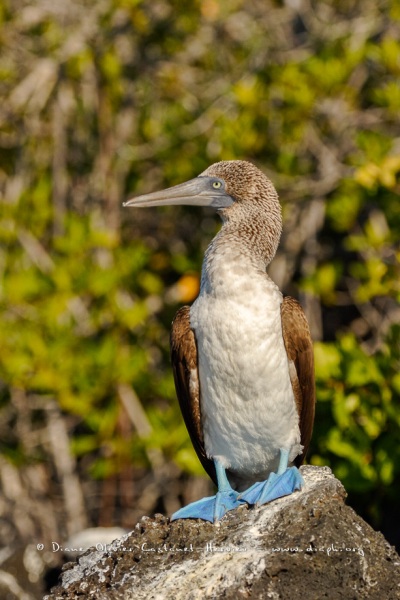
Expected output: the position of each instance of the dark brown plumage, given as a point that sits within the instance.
(299, 348)
(184, 364)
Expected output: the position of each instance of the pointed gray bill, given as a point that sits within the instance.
(200, 191)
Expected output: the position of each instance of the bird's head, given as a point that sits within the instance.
(243, 196)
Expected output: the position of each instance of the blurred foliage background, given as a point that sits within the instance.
(105, 99)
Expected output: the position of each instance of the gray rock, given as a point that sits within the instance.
(100, 537)
(306, 546)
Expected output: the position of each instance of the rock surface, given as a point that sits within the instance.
(309, 545)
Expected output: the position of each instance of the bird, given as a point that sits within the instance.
(242, 354)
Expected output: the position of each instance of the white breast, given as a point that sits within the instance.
(247, 402)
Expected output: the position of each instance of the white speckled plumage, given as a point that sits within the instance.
(248, 407)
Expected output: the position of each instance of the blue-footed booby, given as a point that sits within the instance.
(242, 354)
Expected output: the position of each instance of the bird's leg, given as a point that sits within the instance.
(212, 508)
(282, 483)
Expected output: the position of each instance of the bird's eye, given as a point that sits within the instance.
(217, 184)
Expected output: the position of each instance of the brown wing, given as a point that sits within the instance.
(187, 384)
(299, 348)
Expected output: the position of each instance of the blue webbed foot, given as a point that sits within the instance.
(282, 483)
(215, 507)
(210, 509)
(276, 486)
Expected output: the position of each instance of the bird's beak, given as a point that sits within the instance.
(195, 192)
